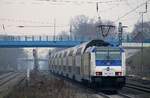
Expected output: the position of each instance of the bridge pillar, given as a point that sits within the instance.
(35, 59)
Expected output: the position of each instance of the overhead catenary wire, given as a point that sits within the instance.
(111, 7)
(23, 21)
(22, 26)
(81, 2)
(126, 14)
(138, 20)
(56, 2)
(148, 16)
(93, 1)
(128, 4)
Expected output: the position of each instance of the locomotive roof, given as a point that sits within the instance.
(97, 42)
(82, 47)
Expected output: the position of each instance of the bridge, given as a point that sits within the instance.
(51, 41)
(134, 45)
(38, 41)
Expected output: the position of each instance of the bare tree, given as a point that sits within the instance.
(137, 33)
(85, 27)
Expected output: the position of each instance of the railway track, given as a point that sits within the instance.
(118, 95)
(98, 93)
(8, 81)
(138, 87)
(5, 75)
(7, 78)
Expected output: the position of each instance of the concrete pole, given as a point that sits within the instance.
(35, 56)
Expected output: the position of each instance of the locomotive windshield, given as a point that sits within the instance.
(108, 56)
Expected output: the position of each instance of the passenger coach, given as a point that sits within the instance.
(95, 63)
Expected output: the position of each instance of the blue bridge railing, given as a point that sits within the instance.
(39, 41)
(41, 38)
(52, 41)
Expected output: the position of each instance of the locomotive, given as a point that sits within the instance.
(96, 63)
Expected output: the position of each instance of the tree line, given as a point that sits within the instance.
(86, 28)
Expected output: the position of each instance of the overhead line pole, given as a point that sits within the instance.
(120, 29)
(100, 26)
(142, 39)
(54, 28)
(131, 11)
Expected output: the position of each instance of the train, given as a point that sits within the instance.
(95, 63)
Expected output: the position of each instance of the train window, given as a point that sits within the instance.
(60, 54)
(105, 55)
(79, 51)
(52, 56)
(115, 55)
(69, 68)
(101, 55)
(64, 68)
(56, 55)
(77, 70)
(55, 67)
(71, 53)
(59, 67)
(65, 54)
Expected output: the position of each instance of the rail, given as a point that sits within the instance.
(138, 87)
(89, 89)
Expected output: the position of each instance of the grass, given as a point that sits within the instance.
(134, 63)
(41, 86)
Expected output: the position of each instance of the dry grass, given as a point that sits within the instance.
(42, 87)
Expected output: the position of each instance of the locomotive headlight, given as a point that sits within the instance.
(118, 73)
(98, 73)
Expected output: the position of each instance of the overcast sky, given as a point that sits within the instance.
(14, 13)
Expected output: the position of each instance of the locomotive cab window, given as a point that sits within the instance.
(71, 53)
(108, 57)
(79, 51)
(64, 55)
(115, 55)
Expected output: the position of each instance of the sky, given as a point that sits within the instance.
(34, 13)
